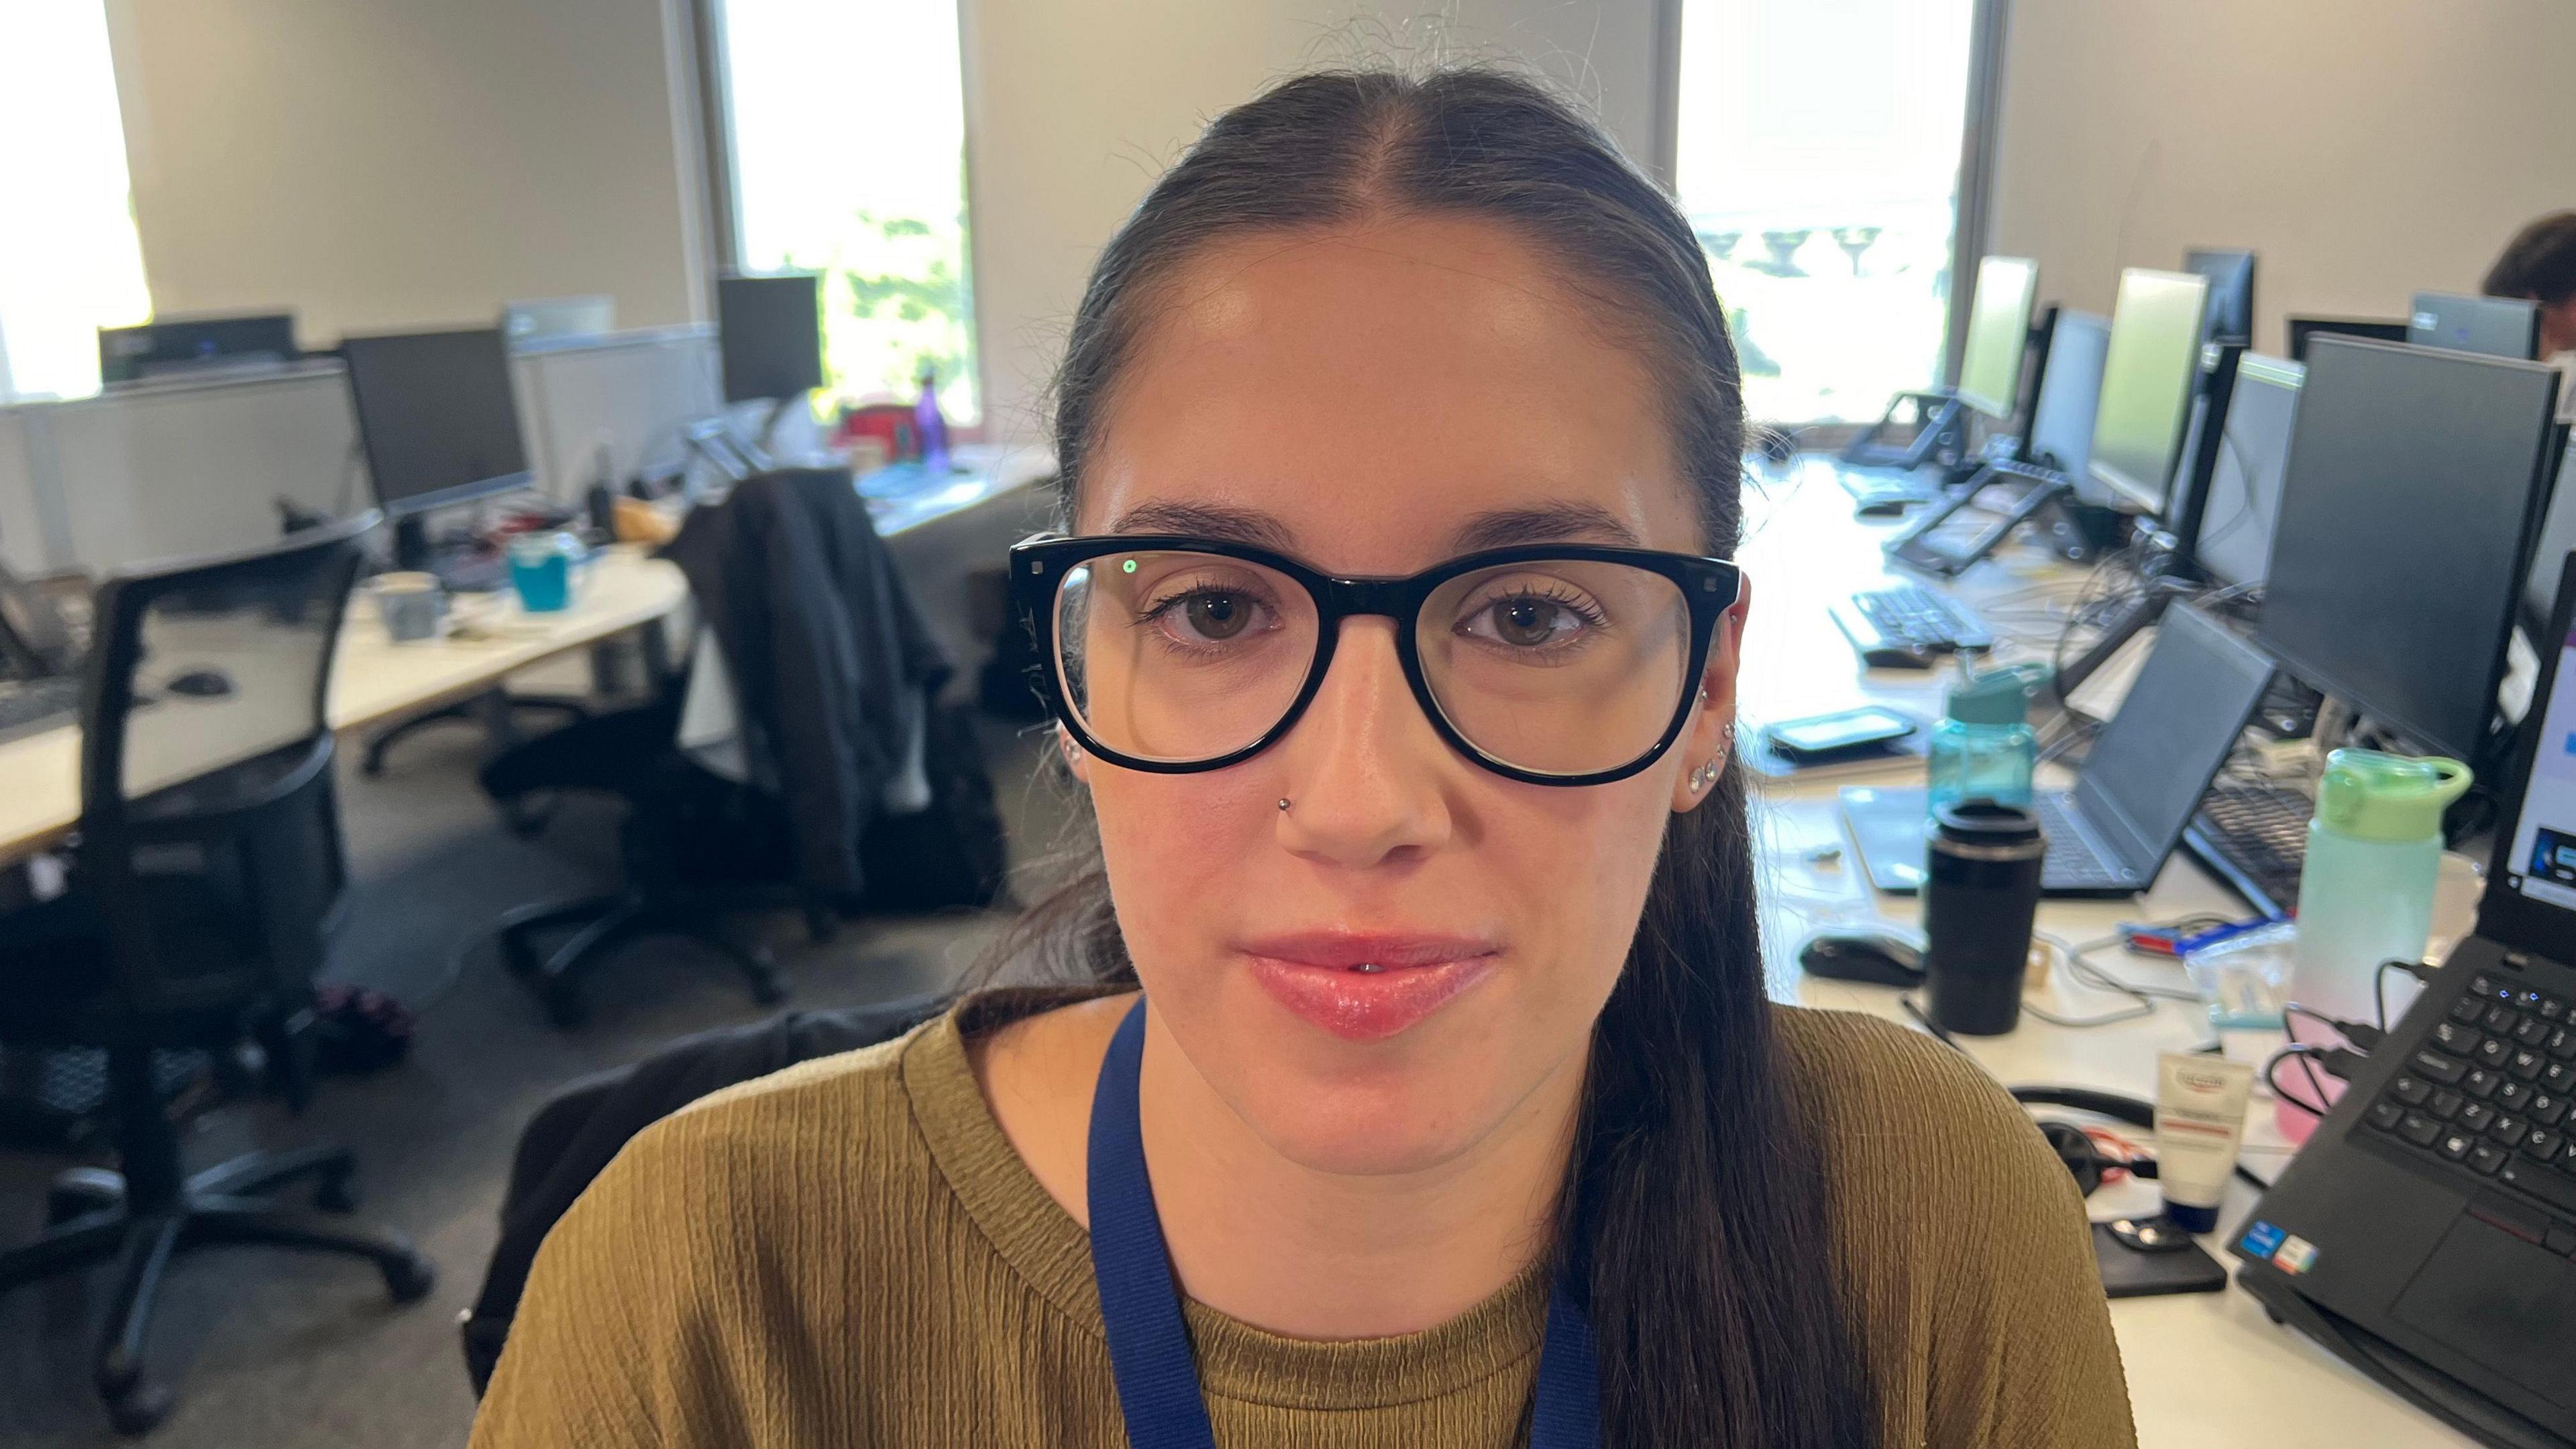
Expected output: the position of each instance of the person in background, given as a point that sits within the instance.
(1414, 938)
(2539, 266)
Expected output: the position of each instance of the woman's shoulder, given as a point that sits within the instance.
(1855, 1060)
(783, 1144)
(1893, 1105)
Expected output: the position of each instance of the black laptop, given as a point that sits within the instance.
(2134, 793)
(2427, 1232)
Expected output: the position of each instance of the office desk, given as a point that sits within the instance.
(372, 678)
(2203, 1369)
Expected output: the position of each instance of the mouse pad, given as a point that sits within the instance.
(2128, 1273)
(2506, 1303)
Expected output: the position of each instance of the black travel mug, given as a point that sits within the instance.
(1979, 899)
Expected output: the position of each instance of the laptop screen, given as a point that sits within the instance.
(2155, 758)
(2530, 901)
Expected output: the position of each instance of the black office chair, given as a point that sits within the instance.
(698, 850)
(207, 860)
(494, 709)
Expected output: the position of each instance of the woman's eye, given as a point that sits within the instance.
(1524, 623)
(1207, 616)
(1217, 616)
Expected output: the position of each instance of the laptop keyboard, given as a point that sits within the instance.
(2489, 1088)
(2261, 833)
(1912, 616)
(2070, 862)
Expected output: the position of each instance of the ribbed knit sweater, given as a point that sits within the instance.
(850, 1253)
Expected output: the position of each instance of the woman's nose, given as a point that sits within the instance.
(1363, 769)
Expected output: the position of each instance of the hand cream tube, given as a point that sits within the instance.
(2200, 1117)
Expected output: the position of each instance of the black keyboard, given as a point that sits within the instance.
(2489, 1087)
(2255, 837)
(27, 706)
(1913, 618)
(2070, 863)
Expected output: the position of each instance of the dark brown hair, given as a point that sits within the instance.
(1694, 1215)
(2539, 263)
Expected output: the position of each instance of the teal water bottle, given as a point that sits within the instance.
(1983, 748)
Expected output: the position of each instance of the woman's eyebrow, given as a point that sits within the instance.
(1208, 520)
(1546, 523)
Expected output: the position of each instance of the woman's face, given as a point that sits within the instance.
(1375, 400)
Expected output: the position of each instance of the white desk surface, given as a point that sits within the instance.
(2203, 1369)
(373, 678)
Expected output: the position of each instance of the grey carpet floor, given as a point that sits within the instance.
(274, 1349)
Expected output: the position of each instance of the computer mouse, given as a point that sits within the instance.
(201, 684)
(1875, 959)
(1894, 656)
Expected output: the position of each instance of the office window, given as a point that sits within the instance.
(69, 260)
(848, 158)
(1817, 154)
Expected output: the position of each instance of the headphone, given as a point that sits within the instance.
(2073, 1145)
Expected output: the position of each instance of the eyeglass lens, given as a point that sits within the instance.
(1553, 666)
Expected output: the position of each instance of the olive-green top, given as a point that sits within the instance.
(850, 1253)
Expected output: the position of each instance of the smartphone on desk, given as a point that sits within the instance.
(1831, 736)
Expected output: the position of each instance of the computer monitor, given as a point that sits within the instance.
(436, 417)
(2531, 879)
(2390, 329)
(178, 346)
(2396, 569)
(544, 318)
(2147, 382)
(2557, 536)
(2061, 420)
(1998, 335)
(771, 334)
(2230, 274)
(2496, 326)
(2245, 483)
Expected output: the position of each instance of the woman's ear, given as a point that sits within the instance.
(1710, 734)
(1074, 758)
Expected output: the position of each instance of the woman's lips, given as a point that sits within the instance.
(1368, 988)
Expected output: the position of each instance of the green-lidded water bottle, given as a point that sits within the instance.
(2366, 891)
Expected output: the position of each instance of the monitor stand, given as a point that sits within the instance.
(2148, 608)
(463, 565)
(1944, 428)
(1915, 548)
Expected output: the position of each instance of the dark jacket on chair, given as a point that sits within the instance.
(830, 659)
(573, 1137)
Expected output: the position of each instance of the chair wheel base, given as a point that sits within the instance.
(139, 1407)
(337, 1193)
(81, 1191)
(564, 1004)
(768, 984)
(410, 1279)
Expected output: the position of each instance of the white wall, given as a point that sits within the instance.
(2366, 148)
(381, 164)
(1075, 106)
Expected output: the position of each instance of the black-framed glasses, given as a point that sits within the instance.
(1556, 664)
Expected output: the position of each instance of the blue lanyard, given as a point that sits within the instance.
(1149, 1346)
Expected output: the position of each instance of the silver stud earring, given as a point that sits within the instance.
(1704, 776)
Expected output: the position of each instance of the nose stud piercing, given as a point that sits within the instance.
(1283, 804)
